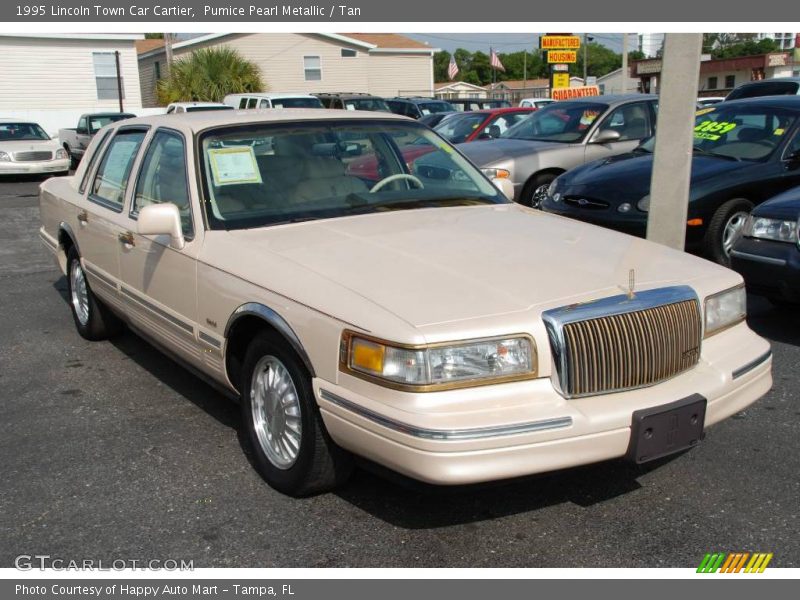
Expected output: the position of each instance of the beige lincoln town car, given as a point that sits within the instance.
(365, 290)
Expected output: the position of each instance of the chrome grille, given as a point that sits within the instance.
(620, 343)
(32, 156)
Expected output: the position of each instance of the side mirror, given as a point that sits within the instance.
(82, 130)
(793, 158)
(505, 187)
(606, 136)
(161, 219)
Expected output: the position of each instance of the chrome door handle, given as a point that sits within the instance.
(83, 217)
(127, 238)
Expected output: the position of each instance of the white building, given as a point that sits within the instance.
(650, 43)
(613, 83)
(459, 89)
(786, 41)
(52, 78)
(384, 64)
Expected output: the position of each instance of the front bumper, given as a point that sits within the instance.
(769, 268)
(59, 165)
(515, 429)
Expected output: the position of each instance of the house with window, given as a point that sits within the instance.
(54, 77)
(459, 89)
(383, 64)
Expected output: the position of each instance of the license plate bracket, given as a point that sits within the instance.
(666, 429)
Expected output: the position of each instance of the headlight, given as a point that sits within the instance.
(5, 157)
(725, 309)
(497, 173)
(61, 153)
(771, 229)
(644, 204)
(439, 366)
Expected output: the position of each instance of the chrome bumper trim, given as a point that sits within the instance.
(744, 369)
(447, 434)
(758, 258)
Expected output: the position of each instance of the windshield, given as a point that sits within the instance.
(204, 108)
(21, 132)
(296, 103)
(427, 108)
(97, 122)
(374, 104)
(258, 176)
(457, 128)
(743, 132)
(559, 122)
(765, 88)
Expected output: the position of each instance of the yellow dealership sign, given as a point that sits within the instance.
(560, 80)
(562, 56)
(559, 42)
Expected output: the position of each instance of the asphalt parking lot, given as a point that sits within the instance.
(111, 451)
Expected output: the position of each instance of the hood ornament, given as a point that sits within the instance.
(631, 284)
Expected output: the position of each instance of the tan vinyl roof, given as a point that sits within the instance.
(197, 121)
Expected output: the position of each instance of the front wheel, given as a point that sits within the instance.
(292, 449)
(535, 191)
(725, 227)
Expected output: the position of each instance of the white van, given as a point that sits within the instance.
(272, 101)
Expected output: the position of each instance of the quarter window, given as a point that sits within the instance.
(111, 181)
(105, 76)
(312, 68)
(100, 143)
(162, 177)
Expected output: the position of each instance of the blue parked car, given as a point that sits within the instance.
(768, 252)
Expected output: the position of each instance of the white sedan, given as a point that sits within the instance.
(25, 148)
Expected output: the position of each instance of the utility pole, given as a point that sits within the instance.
(624, 63)
(585, 55)
(119, 80)
(672, 158)
(168, 50)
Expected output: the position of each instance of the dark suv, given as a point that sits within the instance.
(353, 101)
(779, 86)
(417, 107)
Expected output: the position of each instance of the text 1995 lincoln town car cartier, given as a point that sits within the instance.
(408, 313)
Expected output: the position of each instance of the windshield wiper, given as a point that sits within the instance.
(710, 153)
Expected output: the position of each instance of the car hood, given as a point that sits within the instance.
(782, 206)
(489, 152)
(28, 145)
(628, 175)
(442, 265)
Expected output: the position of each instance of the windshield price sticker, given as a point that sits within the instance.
(234, 165)
(704, 111)
(712, 130)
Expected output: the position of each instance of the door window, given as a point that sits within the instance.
(632, 121)
(111, 181)
(163, 177)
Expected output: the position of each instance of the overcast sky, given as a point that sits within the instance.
(508, 42)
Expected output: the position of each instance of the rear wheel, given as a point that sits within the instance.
(725, 228)
(92, 319)
(535, 191)
(292, 449)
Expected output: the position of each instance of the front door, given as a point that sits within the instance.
(159, 282)
(632, 121)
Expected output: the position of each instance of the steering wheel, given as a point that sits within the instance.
(378, 186)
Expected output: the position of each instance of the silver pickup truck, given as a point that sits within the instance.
(75, 140)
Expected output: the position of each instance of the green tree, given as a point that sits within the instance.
(154, 36)
(441, 61)
(600, 60)
(209, 74)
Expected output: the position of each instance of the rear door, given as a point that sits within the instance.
(102, 221)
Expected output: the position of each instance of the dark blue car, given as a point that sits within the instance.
(768, 252)
(745, 152)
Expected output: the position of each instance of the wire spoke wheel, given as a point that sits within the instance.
(275, 410)
(539, 194)
(79, 293)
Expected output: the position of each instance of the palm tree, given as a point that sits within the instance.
(207, 75)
